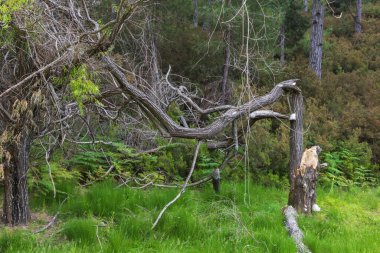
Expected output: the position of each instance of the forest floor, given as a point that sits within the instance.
(242, 218)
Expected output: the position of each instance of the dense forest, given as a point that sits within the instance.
(189, 126)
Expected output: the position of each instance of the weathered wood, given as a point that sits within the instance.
(305, 5)
(315, 56)
(294, 231)
(227, 60)
(210, 131)
(303, 193)
(195, 15)
(358, 17)
(296, 138)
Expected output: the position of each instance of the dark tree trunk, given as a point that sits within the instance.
(296, 139)
(303, 195)
(227, 61)
(16, 198)
(195, 16)
(305, 5)
(315, 57)
(282, 44)
(358, 17)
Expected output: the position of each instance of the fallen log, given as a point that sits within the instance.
(294, 231)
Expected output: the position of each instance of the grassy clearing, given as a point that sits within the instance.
(108, 219)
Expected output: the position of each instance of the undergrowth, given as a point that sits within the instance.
(105, 218)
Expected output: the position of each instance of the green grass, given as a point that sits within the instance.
(108, 219)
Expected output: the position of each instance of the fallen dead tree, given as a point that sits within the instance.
(294, 231)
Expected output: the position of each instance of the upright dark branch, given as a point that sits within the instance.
(296, 138)
(358, 17)
(315, 56)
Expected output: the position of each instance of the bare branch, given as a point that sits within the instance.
(183, 187)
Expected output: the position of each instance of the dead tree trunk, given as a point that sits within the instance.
(303, 166)
(305, 5)
(315, 57)
(195, 16)
(16, 198)
(296, 137)
(227, 61)
(358, 17)
(303, 195)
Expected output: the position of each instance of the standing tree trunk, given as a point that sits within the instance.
(305, 5)
(296, 141)
(303, 194)
(195, 17)
(16, 198)
(315, 57)
(227, 61)
(358, 17)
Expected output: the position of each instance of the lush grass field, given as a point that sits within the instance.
(108, 219)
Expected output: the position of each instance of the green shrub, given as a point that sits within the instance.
(349, 165)
(16, 241)
(80, 230)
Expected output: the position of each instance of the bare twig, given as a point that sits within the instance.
(183, 187)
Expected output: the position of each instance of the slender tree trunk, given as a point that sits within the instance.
(195, 17)
(358, 17)
(227, 61)
(305, 5)
(16, 198)
(296, 141)
(282, 44)
(315, 57)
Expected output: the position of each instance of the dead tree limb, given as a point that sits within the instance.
(294, 231)
(183, 187)
(208, 132)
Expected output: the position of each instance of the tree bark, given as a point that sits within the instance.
(305, 5)
(16, 197)
(315, 57)
(227, 61)
(195, 16)
(296, 136)
(358, 17)
(303, 193)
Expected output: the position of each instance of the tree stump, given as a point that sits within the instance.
(303, 194)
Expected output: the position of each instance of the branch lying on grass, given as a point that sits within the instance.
(51, 223)
(183, 187)
(293, 229)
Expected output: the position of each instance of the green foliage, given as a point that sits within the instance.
(7, 8)
(295, 27)
(80, 230)
(40, 180)
(82, 86)
(349, 165)
(201, 221)
(16, 241)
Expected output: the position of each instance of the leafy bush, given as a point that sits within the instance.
(349, 166)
